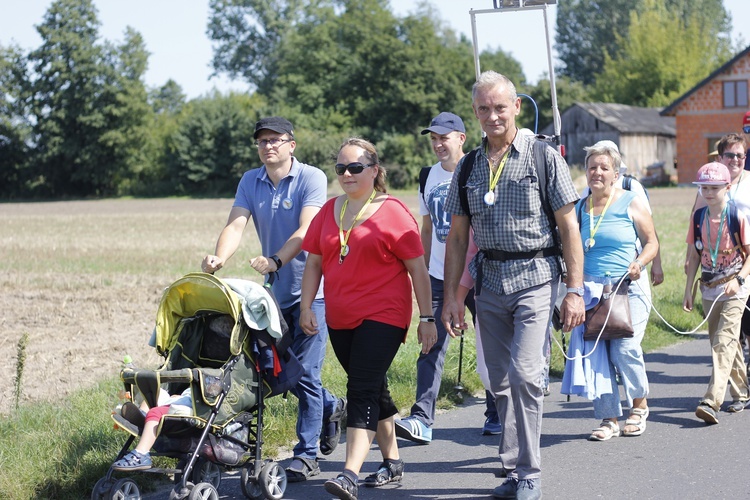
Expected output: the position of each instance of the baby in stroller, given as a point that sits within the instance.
(223, 341)
(140, 457)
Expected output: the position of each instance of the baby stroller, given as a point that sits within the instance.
(227, 341)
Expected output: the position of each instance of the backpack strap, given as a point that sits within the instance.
(697, 224)
(423, 174)
(540, 163)
(627, 181)
(467, 165)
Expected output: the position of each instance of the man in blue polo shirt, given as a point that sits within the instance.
(282, 197)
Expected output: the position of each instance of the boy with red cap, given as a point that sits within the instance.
(721, 236)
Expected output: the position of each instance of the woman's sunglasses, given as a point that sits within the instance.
(353, 168)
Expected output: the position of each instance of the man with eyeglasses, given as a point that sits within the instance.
(282, 197)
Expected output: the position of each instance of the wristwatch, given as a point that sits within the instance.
(741, 280)
(276, 260)
(575, 290)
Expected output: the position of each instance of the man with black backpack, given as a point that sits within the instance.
(518, 194)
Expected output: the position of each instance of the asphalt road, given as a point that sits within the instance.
(679, 456)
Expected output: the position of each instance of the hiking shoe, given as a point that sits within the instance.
(507, 489)
(135, 460)
(390, 471)
(529, 489)
(302, 468)
(413, 429)
(737, 406)
(330, 434)
(342, 487)
(706, 413)
(491, 427)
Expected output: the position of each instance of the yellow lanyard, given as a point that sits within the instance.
(344, 238)
(593, 228)
(496, 177)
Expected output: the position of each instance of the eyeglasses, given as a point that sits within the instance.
(274, 143)
(732, 156)
(353, 168)
(746, 129)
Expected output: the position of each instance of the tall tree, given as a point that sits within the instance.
(663, 57)
(589, 29)
(88, 103)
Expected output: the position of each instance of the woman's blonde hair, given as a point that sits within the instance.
(372, 157)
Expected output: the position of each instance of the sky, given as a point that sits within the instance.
(175, 33)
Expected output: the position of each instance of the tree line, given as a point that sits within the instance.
(77, 119)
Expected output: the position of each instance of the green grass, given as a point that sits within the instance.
(60, 449)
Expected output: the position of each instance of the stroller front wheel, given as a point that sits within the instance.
(203, 491)
(273, 481)
(124, 489)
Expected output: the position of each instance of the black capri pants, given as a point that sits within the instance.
(366, 352)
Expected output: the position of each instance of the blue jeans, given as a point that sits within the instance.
(315, 402)
(430, 365)
(626, 355)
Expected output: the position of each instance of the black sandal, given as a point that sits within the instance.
(301, 468)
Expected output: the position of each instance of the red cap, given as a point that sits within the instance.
(746, 120)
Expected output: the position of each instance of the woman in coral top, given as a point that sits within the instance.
(367, 245)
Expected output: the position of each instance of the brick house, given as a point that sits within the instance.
(713, 108)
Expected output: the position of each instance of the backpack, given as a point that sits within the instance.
(423, 174)
(734, 227)
(540, 146)
(627, 183)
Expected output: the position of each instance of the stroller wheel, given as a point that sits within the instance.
(205, 471)
(183, 493)
(124, 489)
(272, 480)
(203, 491)
(249, 483)
(101, 489)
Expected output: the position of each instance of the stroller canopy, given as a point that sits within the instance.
(197, 293)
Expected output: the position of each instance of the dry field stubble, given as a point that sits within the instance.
(84, 278)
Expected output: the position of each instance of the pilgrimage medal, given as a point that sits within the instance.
(489, 197)
(344, 236)
(590, 242)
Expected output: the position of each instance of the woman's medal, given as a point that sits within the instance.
(590, 242)
(489, 198)
(344, 253)
(699, 245)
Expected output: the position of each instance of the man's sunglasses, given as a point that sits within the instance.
(732, 156)
(353, 168)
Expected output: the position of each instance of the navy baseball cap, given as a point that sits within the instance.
(445, 123)
(275, 123)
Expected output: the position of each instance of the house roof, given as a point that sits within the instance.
(669, 110)
(631, 119)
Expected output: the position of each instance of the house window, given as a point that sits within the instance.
(735, 94)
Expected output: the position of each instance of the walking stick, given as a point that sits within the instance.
(459, 386)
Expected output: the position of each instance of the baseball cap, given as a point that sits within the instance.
(713, 174)
(275, 123)
(445, 123)
(746, 123)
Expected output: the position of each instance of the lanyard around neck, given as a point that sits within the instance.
(714, 252)
(594, 228)
(344, 238)
(494, 178)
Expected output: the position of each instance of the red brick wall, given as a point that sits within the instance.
(702, 119)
